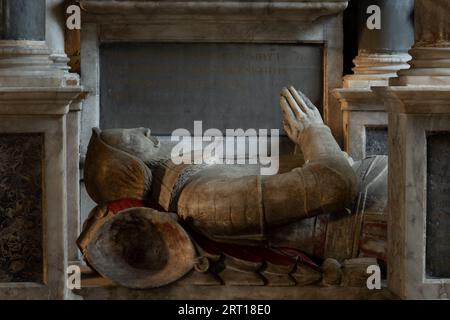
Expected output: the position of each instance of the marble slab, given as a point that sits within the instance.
(168, 86)
(376, 141)
(438, 205)
(21, 207)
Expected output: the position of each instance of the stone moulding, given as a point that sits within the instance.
(358, 99)
(362, 109)
(37, 101)
(24, 61)
(415, 99)
(297, 9)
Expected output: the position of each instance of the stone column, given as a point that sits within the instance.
(381, 53)
(23, 20)
(54, 28)
(34, 103)
(418, 102)
(55, 24)
(23, 52)
(431, 51)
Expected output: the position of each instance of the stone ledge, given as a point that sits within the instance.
(358, 99)
(135, 10)
(415, 99)
(95, 287)
(178, 291)
(38, 101)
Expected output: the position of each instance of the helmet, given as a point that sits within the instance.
(140, 248)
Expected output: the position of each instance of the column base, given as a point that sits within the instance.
(60, 60)
(430, 66)
(26, 63)
(375, 69)
(364, 117)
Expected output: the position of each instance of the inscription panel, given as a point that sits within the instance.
(21, 234)
(376, 141)
(438, 206)
(165, 86)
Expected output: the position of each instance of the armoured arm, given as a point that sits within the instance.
(246, 207)
(326, 183)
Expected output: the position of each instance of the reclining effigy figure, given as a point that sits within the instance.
(156, 221)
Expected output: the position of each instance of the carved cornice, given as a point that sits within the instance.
(358, 99)
(48, 101)
(415, 100)
(299, 10)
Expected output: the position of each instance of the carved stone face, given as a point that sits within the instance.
(137, 141)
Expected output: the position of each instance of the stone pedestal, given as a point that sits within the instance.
(55, 24)
(418, 102)
(431, 52)
(419, 185)
(382, 53)
(33, 171)
(365, 123)
(34, 103)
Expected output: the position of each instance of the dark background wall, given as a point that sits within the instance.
(350, 36)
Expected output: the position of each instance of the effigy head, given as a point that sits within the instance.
(136, 141)
(112, 171)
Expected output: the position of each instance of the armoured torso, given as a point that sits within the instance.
(214, 195)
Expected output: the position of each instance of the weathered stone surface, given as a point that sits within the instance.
(332, 272)
(41, 110)
(411, 118)
(98, 289)
(294, 9)
(432, 26)
(376, 141)
(438, 206)
(26, 63)
(55, 26)
(226, 86)
(21, 208)
(430, 64)
(354, 271)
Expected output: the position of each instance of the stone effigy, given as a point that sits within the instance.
(232, 225)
